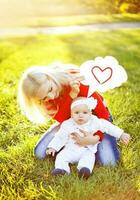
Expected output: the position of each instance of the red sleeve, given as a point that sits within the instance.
(101, 111)
(100, 134)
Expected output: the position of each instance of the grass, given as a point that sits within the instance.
(50, 21)
(22, 176)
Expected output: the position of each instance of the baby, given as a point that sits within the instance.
(82, 122)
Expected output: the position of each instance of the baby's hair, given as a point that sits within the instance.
(30, 83)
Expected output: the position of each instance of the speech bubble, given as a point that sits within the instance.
(102, 74)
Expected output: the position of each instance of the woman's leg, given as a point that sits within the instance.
(42, 144)
(108, 153)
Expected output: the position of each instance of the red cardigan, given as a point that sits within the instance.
(65, 101)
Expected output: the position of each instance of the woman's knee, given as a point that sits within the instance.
(108, 153)
(42, 144)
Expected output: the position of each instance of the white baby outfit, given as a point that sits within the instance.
(73, 153)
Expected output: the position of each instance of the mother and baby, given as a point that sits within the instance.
(83, 125)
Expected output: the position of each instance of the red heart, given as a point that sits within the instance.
(102, 71)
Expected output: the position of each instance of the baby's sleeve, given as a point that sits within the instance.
(60, 138)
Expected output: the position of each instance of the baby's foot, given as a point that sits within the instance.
(57, 171)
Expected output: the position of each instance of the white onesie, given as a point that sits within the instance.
(73, 153)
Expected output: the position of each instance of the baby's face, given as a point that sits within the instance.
(80, 114)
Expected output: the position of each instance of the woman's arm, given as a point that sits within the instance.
(101, 110)
(88, 138)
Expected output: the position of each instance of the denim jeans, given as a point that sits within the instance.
(107, 151)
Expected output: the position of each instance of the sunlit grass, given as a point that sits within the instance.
(22, 176)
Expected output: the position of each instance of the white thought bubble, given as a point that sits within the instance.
(102, 74)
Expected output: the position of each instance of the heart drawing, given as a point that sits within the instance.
(102, 75)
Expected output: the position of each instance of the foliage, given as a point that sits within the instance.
(22, 176)
(101, 6)
(113, 6)
(129, 6)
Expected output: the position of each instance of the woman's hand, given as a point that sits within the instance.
(75, 86)
(125, 138)
(88, 138)
(51, 151)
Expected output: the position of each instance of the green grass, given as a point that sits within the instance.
(22, 176)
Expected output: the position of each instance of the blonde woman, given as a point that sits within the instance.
(47, 92)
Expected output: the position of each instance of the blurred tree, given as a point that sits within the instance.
(112, 6)
(129, 6)
(101, 6)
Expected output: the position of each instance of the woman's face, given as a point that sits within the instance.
(48, 90)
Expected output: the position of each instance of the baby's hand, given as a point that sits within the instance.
(125, 138)
(50, 151)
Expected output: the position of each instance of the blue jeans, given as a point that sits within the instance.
(107, 154)
(107, 151)
(42, 144)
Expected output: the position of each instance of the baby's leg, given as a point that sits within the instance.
(63, 159)
(86, 164)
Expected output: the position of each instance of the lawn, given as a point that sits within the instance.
(23, 177)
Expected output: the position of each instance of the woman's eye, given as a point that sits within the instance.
(50, 89)
(85, 112)
(76, 112)
(44, 98)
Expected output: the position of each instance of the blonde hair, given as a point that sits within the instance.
(30, 82)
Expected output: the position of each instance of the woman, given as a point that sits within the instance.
(47, 92)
